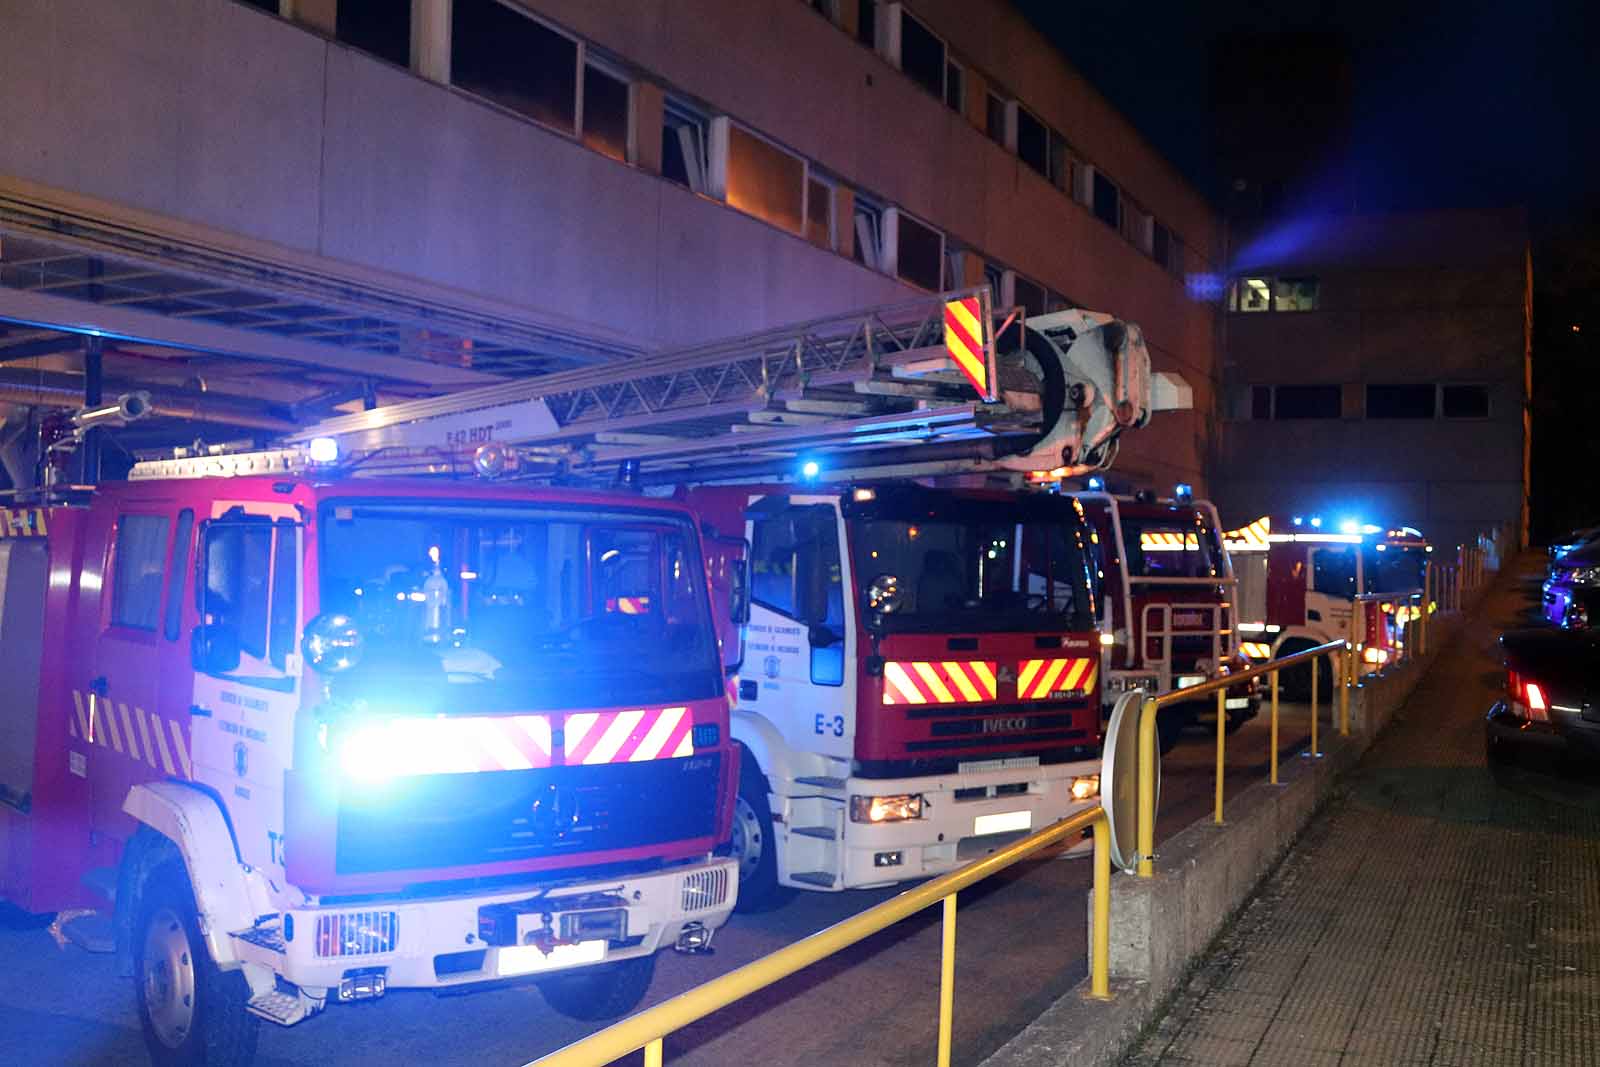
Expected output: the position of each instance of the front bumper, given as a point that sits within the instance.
(437, 943)
(964, 817)
(1567, 734)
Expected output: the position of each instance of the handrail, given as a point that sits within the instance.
(647, 1029)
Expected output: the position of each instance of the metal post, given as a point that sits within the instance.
(93, 386)
(652, 1054)
(1100, 949)
(1274, 677)
(947, 979)
(1344, 691)
(1314, 660)
(1147, 788)
(1427, 607)
(1222, 733)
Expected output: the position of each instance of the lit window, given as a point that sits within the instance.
(1294, 294)
(995, 118)
(868, 223)
(765, 181)
(605, 112)
(1465, 401)
(922, 55)
(381, 27)
(1401, 401)
(685, 135)
(919, 252)
(518, 63)
(819, 213)
(1253, 294)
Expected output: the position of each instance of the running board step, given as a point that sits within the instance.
(823, 833)
(821, 782)
(89, 930)
(816, 878)
(279, 1007)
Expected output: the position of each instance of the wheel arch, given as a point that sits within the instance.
(765, 745)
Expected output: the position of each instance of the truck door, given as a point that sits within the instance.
(246, 668)
(799, 647)
(118, 696)
(1331, 584)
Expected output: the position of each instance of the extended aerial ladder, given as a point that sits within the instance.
(888, 390)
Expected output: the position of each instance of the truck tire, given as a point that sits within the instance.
(754, 844)
(191, 1011)
(1294, 683)
(595, 994)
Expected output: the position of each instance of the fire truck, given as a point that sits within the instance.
(1169, 602)
(1299, 579)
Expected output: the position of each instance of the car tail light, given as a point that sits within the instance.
(1527, 698)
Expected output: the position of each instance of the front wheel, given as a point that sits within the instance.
(192, 1012)
(607, 991)
(754, 845)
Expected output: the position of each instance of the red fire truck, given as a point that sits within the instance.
(1170, 592)
(920, 682)
(320, 736)
(1299, 579)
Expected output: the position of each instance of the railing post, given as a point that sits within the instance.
(1274, 727)
(652, 1053)
(947, 980)
(1344, 692)
(1427, 608)
(1314, 714)
(1222, 734)
(1100, 945)
(1147, 788)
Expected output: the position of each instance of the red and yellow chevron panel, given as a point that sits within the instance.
(939, 682)
(1158, 541)
(628, 736)
(1040, 679)
(963, 339)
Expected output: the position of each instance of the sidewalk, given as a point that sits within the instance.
(1427, 916)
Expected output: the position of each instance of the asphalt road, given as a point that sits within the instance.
(1023, 935)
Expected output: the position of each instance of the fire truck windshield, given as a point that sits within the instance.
(488, 607)
(977, 574)
(1395, 569)
(1174, 547)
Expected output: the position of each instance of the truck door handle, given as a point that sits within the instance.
(98, 686)
(197, 712)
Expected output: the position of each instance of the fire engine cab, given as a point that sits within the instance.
(319, 736)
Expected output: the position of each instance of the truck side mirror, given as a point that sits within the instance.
(214, 648)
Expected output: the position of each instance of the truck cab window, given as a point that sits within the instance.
(1333, 572)
(141, 550)
(251, 585)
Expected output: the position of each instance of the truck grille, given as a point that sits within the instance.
(437, 822)
(705, 889)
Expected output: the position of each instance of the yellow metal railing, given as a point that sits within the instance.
(647, 1029)
(1339, 652)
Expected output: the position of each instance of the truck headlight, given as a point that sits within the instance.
(886, 809)
(1085, 786)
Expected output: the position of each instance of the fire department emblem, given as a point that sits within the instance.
(769, 666)
(241, 759)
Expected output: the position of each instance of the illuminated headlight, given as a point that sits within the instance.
(1375, 655)
(1108, 639)
(1085, 786)
(1586, 576)
(886, 809)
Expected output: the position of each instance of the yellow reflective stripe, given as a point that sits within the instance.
(1070, 681)
(1030, 669)
(963, 314)
(941, 692)
(985, 675)
(659, 734)
(904, 686)
(959, 676)
(620, 730)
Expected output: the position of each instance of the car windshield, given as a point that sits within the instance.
(1394, 570)
(1171, 548)
(483, 607)
(977, 575)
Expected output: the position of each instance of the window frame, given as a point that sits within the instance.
(892, 217)
(575, 133)
(872, 210)
(896, 49)
(700, 120)
(616, 72)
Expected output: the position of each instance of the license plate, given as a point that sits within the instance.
(1238, 702)
(530, 959)
(1002, 823)
(1190, 680)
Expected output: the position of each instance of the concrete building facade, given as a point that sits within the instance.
(586, 176)
(1378, 367)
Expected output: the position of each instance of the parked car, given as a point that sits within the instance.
(1551, 706)
(1575, 539)
(1572, 589)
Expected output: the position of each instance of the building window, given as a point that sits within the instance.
(1401, 401)
(955, 266)
(685, 141)
(819, 213)
(381, 27)
(828, 9)
(1160, 244)
(765, 181)
(868, 223)
(919, 252)
(867, 22)
(1306, 402)
(955, 86)
(1261, 401)
(994, 276)
(518, 63)
(922, 54)
(995, 118)
(269, 6)
(1107, 201)
(1174, 261)
(1060, 163)
(1465, 401)
(1028, 295)
(141, 552)
(605, 112)
(1033, 141)
(1294, 294)
(1251, 294)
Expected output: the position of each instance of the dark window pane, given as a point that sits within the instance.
(955, 92)
(1294, 294)
(1400, 401)
(995, 124)
(514, 61)
(867, 22)
(921, 55)
(180, 567)
(1261, 401)
(1028, 295)
(1333, 572)
(1060, 163)
(1307, 402)
(285, 594)
(683, 147)
(382, 27)
(238, 570)
(994, 278)
(1033, 142)
(1466, 401)
(269, 6)
(141, 551)
(868, 223)
(605, 113)
(1105, 200)
(1160, 244)
(920, 253)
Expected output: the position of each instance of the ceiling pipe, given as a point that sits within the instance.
(162, 405)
